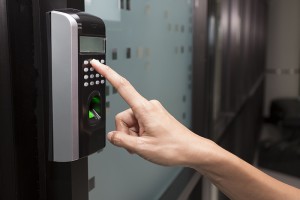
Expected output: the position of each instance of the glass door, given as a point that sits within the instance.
(150, 43)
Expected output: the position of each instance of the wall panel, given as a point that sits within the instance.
(158, 35)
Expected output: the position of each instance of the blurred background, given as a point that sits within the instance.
(227, 69)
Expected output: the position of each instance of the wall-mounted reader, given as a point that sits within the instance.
(77, 91)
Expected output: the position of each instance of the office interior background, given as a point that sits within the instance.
(226, 69)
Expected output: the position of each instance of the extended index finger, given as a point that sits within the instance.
(124, 88)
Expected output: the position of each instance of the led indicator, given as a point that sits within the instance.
(95, 108)
(91, 115)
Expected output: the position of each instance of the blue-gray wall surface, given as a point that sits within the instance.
(158, 37)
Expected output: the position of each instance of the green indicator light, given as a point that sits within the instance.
(95, 108)
(95, 104)
(91, 115)
(96, 100)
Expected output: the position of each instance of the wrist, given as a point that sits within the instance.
(202, 154)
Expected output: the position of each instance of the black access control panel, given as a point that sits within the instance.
(77, 91)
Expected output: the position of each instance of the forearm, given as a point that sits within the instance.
(236, 178)
(148, 130)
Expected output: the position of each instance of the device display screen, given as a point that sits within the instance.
(92, 44)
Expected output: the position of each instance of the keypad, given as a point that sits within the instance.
(90, 76)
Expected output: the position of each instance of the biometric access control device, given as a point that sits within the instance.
(77, 91)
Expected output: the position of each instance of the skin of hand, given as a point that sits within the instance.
(147, 129)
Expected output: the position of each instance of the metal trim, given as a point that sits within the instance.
(64, 38)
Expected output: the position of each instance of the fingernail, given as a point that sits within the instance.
(94, 60)
(109, 135)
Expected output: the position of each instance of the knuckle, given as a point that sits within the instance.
(143, 107)
(155, 102)
(140, 144)
(150, 108)
(154, 105)
(116, 139)
(118, 117)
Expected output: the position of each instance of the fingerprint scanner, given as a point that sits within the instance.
(95, 108)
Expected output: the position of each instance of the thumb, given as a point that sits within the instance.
(123, 140)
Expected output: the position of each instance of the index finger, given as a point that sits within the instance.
(124, 88)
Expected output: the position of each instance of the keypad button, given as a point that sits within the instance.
(86, 77)
(102, 81)
(85, 69)
(92, 83)
(86, 84)
(102, 61)
(86, 62)
(97, 82)
(92, 76)
(97, 75)
(92, 69)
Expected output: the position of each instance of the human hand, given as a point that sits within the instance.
(147, 128)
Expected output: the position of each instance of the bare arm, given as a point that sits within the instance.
(238, 179)
(148, 130)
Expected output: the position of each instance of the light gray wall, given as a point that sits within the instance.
(283, 50)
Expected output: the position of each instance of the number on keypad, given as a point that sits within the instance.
(89, 73)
